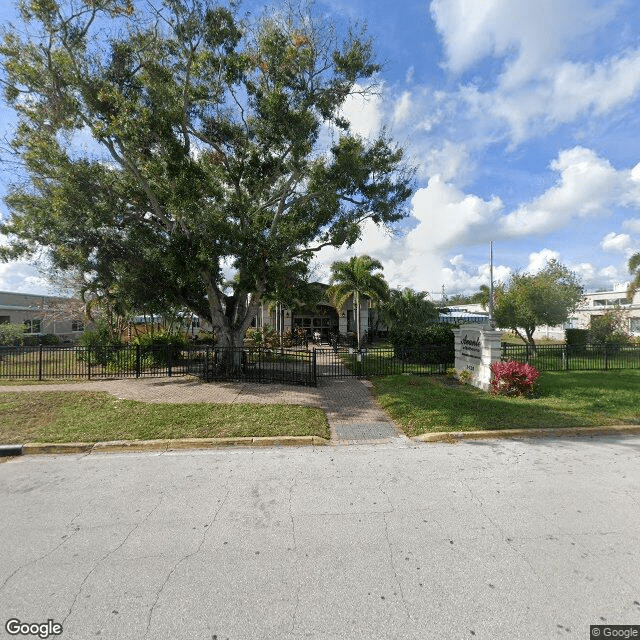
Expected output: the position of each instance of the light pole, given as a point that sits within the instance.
(492, 322)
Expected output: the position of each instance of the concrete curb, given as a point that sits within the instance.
(454, 436)
(34, 448)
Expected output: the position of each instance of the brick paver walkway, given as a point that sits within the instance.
(351, 410)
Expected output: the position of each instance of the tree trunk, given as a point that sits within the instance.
(230, 323)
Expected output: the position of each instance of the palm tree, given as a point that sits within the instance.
(634, 269)
(408, 308)
(357, 278)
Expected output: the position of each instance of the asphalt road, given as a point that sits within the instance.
(483, 540)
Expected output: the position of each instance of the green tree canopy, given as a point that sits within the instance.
(408, 309)
(528, 301)
(166, 146)
(357, 278)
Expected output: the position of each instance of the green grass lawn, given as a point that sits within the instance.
(88, 416)
(564, 399)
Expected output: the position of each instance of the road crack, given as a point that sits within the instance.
(162, 587)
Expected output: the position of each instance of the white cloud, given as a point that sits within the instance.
(447, 216)
(540, 85)
(538, 260)
(617, 242)
(451, 161)
(402, 108)
(409, 75)
(588, 186)
(23, 277)
(560, 93)
(632, 225)
(528, 34)
(585, 271)
(363, 111)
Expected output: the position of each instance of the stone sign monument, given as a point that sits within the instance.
(477, 347)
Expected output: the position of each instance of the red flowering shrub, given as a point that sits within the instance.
(513, 378)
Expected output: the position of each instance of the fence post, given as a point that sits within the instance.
(88, 362)
(169, 360)
(314, 362)
(606, 356)
(40, 362)
(138, 361)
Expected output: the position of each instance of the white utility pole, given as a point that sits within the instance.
(491, 320)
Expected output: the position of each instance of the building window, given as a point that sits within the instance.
(77, 325)
(32, 326)
(634, 325)
(5, 319)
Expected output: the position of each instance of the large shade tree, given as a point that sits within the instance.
(166, 147)
(357, 279)
(531, 300)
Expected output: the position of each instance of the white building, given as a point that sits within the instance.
(597, 303)
(593, 304)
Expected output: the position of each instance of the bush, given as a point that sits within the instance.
(100, 344)
(608, 330)
(205, 337)
(49, 339)
(11, 334)
(157, 348)
(417, 345)
(513, 378)
(578, 338)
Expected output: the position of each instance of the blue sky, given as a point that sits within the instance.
(523, 120)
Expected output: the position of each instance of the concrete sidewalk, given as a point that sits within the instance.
(352, 412)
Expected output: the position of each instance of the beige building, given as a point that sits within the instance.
(43, 315)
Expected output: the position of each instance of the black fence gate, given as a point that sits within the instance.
(338, 362)
(341, 362)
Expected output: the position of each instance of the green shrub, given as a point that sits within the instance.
(159, 348)
(11, 334)
(205, 337)
(49, 339)
(100, 347)
(413, 345)
(125, 360)
(608, 330)
(576, 337)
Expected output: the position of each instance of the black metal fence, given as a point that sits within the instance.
(50, 362)
(574, 358)
(291, 366)
(254, 365)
